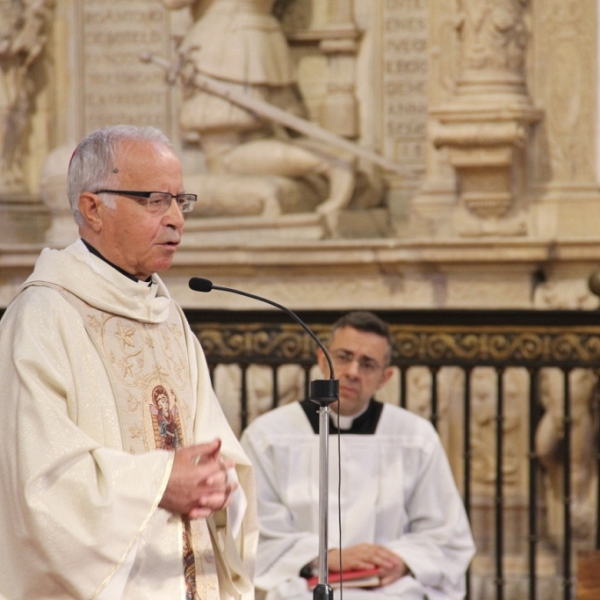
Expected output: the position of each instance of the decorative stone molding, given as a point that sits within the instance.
(483, 155)
(487, 124)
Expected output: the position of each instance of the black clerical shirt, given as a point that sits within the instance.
(364, 424)
(122, 271)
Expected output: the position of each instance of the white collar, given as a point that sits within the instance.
(345, 421)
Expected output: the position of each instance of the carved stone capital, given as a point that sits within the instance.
(494, 36)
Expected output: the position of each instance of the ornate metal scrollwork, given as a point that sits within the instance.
(501, 347)
(443, 345)
(255, 343)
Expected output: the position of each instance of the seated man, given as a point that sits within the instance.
(400, 509)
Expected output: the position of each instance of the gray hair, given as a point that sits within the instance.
(92, 163)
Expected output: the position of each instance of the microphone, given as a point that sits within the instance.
(322, 391)
(198, 284)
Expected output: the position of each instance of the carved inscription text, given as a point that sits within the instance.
(405, 72)
(118, 87)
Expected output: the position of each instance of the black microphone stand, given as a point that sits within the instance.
(322, 392)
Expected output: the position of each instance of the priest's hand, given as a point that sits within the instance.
(369, 556)
(198, 484)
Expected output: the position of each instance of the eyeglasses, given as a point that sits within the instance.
(157, 202)
(343, 358)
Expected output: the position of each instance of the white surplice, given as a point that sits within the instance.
(80, 516)
(397, 491)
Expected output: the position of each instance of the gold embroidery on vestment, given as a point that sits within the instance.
(148, 367)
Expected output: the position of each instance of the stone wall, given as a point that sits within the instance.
(489, 110)
(494, 134)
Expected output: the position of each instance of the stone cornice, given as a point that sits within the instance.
(356, 253)
(334, 252)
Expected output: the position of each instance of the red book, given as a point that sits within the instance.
(359, 578)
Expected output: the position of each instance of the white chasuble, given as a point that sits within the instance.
(96, 395)
(148, 368)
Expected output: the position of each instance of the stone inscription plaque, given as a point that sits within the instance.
(118, 87)
(405, 74)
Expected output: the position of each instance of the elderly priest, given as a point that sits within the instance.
(119, 475)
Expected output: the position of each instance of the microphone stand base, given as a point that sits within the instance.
(323, 592)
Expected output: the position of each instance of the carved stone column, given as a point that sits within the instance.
(432, 207)
(339, 111)
(487, 125)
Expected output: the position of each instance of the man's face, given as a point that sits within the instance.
(359, 360)
(133, 238)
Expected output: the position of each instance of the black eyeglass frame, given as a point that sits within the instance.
(189, 199)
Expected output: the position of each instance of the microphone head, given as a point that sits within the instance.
(198, 284)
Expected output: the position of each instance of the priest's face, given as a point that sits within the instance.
(139, 241)
(360, 360)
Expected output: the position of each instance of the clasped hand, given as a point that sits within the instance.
(198, 484)
(368, 556)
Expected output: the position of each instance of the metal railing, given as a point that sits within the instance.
(470, 341)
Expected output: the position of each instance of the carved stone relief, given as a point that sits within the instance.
(494, 37)
(23, 37)
(240, 49)
(484, 406)
(550, 433)
(228, 384)
(451, 95)
(567, 38)
(487, 125)
(566, 145)
(569, 294)
(294, 14)
(550, 440)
